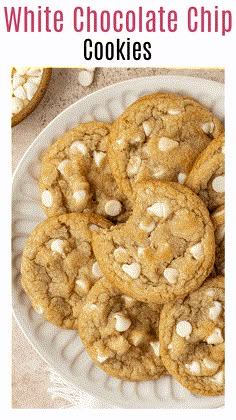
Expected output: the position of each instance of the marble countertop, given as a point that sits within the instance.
(30, 377)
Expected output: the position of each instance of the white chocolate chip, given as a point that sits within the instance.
(122, 323)
(218, 378)
(30, 90)
(120, 141)
(113, 207)
(194, 367)
(89, 307)
(174, 112)
(166, 144)
(196, 251)
(147, 128)
(218, 184)
(210, 293)
(20, 93)
(219, 213)
(39, 309)
(119, 252)
(140, 250)
(181, 177)
(17, 80)
(85, 77)
(21, 70)
(101, 358)
(208, 127)
(215, 337)
(79, 146)
(62, 165)
(128, 300)
(47, 198)
(98, 157)
(136, 139)
(147, 228)
(156, 347)
(34, 80)
(210, 364)
(94, 228)
(36, 72)
(133, 270)
(171, 274)
(16, 105)
(215, 310)
(83, 284)
(159, 209)
(158, 172)
(79, 195)
(57, 246)
(136, 337)
(133, 165)
(184, 329)
(96, 270)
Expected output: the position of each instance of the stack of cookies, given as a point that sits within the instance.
(130, 256)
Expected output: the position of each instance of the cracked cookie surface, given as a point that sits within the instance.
(76, 177)
(207, 176)
(192, 338)
(159, 137)
(164, 250)
(59, 268)
(121, 334)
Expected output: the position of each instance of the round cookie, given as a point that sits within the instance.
(159, 137)
(218, 219)
(207, 176)
(59, 268)
(164, 250)
(192, 338)
(76, 177)
(121, 334)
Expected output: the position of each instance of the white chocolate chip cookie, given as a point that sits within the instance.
(76, 176)
(207, 176)
(159, 137)
(121, 334)
(59, 267)
(164, 250)
(192, 338)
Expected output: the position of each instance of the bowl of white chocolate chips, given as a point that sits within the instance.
(28, 87)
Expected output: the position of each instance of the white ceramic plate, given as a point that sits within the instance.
(63, 349)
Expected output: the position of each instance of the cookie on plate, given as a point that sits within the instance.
(218, 219)
(207, 176)
(76, 177)
(59, 268)
(192, 338)
(159, 137)
(164, 250)
(121, 334)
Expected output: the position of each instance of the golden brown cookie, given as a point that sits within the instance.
(76, 177)
(59, 268)
(192, 338)
(159, 137)
(121, 334)
(164, 250)
(207, 176)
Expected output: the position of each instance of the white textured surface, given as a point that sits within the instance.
(62, 349)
